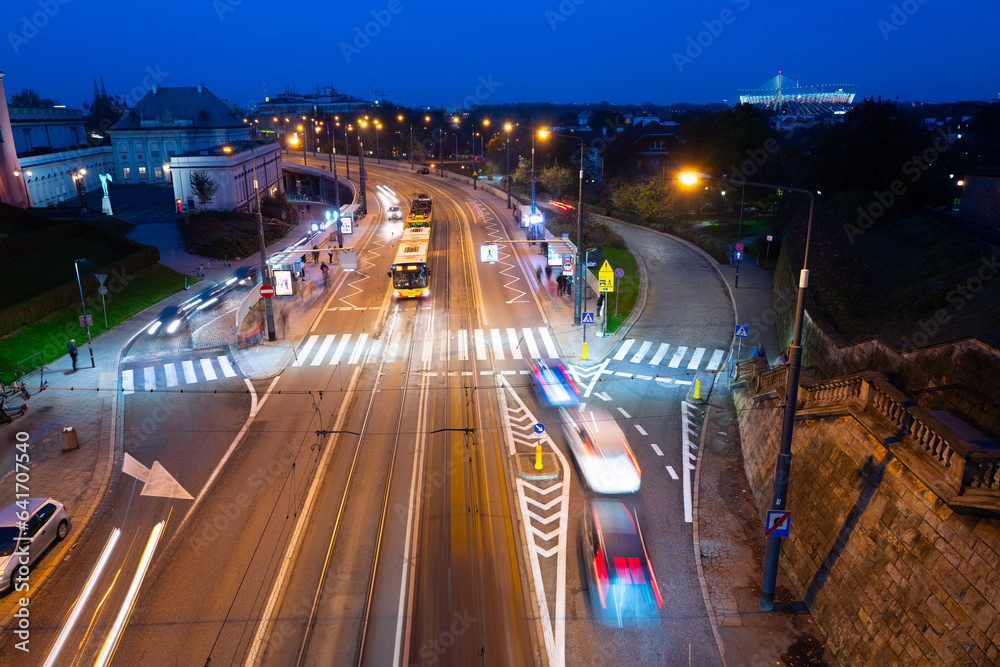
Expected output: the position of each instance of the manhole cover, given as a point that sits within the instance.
(45, 408)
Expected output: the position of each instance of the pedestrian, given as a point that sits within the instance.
(302, 272)
(548, 272)
(569, 286)
(538, 274)
(72, 352)
(315, 254)
(284, 321)
(329, 251)
(600, 303)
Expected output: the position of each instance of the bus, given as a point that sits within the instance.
(420, 212)
(410, 273)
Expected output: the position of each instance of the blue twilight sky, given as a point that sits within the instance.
(429, 53)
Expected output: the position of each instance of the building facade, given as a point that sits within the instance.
(166, 122)
(231, 167)
(12, 187)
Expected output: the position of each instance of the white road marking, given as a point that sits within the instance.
(463, 345)
(188, 368)
(602, 395)
(655, 361)
(640, 430)
(515, 349)
(529, 340)
(673, 475)
(358, 349)
(227, 368)
(664, 380)
(643, 349)
(321, 352)
(497, 344)
(699, 352)
(171, 372)
(148, 378)
(675, 362)
(623, 350)
(477, 336)
(428, 352)
(208, 370)
(549, 345)
(128, 383)
(686, 458)
(627, 415)
(643, 377)
(304, 352)
(656, 448)
(341, 346)
(623, 375)
(716, 360)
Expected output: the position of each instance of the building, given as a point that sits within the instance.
(649, 145)
(231, 167)
(12, 186)
(170, 121)
(286, 110)
(981, 197)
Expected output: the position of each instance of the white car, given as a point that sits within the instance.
(601, 451)
(395, 213)
(27, 529)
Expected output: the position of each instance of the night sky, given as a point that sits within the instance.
(431, 53)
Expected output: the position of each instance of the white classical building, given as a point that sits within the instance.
(166, 122)
(231, 167)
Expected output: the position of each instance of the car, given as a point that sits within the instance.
(619, 574)
(554, 384)
(395, 213)
(423, 170)
(601, 451)
(27, 529)
(246, 275)
(170, 320)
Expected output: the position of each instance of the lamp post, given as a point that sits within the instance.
(580, 260)
(303, 140)
(508, 127)
(783, 464)
(265, 276)
(347, 150)
(361, 169)
(78, 175)
(86, 322)
(378, 153)
(23, 175)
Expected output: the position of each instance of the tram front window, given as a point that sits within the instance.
(415, 278)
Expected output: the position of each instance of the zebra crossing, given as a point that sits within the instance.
(492, 345)
(176, 374)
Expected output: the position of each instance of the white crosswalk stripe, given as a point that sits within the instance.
(623, 350)
(463, 345)
(477, 336)
(341, 346)
(171, 372)
(208, 370)
(327, 342)
(529, 340)
(699, 352)
(514, 347)
(304, 352)
(428, 348)
(660, 353)
(643, 349)
(675, 362)
(497, 344)
(358, 349)
(194, 370)
(549, 345)
(127, 382)
(189, 376)
(227, 368)
(715, 361)
(149, 376)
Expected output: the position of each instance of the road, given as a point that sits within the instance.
(363, 507)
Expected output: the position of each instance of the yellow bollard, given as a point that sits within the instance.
(584, 352)
(538, 457)
(697, 390)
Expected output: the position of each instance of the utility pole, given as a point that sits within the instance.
(265, 276)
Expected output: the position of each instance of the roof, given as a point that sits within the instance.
(178, 106)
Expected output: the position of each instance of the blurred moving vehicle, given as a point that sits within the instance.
(620, 576)
(170, 320)
(554, 384)
(246, 275)
(601, 451)
(27, 529)
(423, 170)
(395, 213)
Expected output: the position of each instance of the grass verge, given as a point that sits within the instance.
(620, 303)
(51, 335)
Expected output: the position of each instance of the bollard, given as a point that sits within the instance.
(538, 457)
(697, 390)
(70, 440)
(584, 357)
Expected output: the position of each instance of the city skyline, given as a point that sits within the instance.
(567, 52)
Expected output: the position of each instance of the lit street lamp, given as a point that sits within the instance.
(86, 322)
(508, 127)
(27, 196)
(361, 169)
(782, 466)
(580, 261)
(78, 175)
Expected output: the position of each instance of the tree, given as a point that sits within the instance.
(522, 174)
(29, 99)
(203, 185)
(556, 179)
(102, 113)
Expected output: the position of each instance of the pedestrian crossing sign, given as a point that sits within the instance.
(488, 253)
(742, 331)
(588, 318)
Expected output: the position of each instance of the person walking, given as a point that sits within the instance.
(329, 251)
(284, 322)
(600, 303)
(538, 274)
(72, 352)
(548, 272)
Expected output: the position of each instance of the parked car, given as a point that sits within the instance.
(27, 529)
(598, 444)
(423, 170)
(619, 576)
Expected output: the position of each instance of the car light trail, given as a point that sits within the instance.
(84, 596)
(119, 626)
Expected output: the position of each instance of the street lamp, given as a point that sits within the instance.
(27, 196)
(265, 276)
(347, 150)
(361, 168)
(78, 175)
(580, 261)
(378, 153)
(508, 127)
(783, 465)
(86, 322)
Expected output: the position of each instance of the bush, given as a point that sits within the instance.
(221, 234)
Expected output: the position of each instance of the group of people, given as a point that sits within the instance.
(564, 284)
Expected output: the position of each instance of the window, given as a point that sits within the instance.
(126, 173)
(658, 144)
(142, 173)
(157, 173)
(138, 147)
(154, 149)
(123, 148)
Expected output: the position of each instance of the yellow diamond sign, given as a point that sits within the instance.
(606, 277)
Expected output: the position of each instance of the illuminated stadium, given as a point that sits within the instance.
(799, 100)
